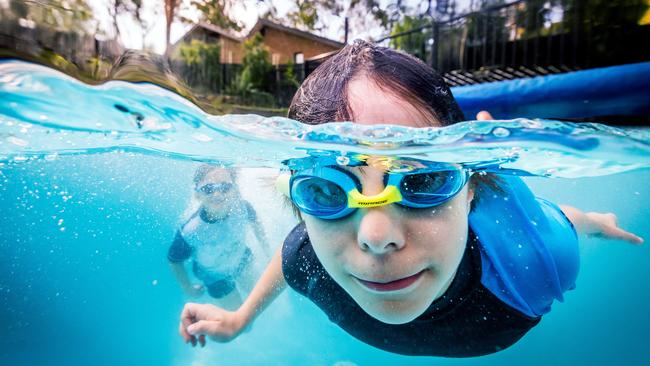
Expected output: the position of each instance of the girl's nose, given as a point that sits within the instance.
(379, 233)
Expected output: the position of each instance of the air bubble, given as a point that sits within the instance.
(16, 141)
(201, 137)
(343, 160)
(501, 132)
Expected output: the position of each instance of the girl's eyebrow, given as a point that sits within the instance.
(360, 169)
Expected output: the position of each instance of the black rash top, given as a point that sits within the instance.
(468, 320)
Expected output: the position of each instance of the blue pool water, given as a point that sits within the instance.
(89, 210)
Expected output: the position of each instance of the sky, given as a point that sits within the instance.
(246, 11)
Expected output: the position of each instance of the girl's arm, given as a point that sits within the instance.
(589, 223)
(260, 234)
(599, 224)
(179, 271)
(200, 320)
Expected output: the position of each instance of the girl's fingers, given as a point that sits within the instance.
(618, 233)
(183, 332)
(484, 116)
(202, 327)
(187, 318)
(197, 320)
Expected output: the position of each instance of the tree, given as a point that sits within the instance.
(202, 62)
(412, 43)
(119, 7)
(171, 6)
(306, 13)
(63, 15)
(256, 66)
(217, 12)
(316, 15)
(595, 13)
(256, 63)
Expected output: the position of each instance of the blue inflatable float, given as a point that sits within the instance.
(589, 94)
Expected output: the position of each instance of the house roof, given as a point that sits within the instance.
(323, 56)
(261, 23)
(213, 28)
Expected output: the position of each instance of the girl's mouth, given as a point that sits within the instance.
(396, 285)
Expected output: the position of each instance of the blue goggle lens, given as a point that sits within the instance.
(317, 196)
(432, 188)
(212, 188)
(326, 199)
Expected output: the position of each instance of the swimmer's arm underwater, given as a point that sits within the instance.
(179, 271)
(588, 223)
(598, 224)
(201, 320)
(260, 234)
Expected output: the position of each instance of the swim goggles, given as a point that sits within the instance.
(212, 188)
(330, 192)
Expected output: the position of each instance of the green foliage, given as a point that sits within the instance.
(251, 85)
(289, 77)
(61, 15)
(580, 14)
(203, 66)
(200, 53)
(306, 13)
(411, 43)
(256, 66)
(373, 7)
(595, 13)
(216, 12)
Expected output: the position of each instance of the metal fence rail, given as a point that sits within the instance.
(530, 38)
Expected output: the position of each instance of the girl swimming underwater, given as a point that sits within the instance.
(219, 255)
(437, 261)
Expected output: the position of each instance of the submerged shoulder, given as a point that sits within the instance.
(529, 250)
(300, 266)
(190, 224)
(295, 241)
(247, 210)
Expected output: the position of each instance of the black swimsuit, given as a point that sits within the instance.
(468, 320)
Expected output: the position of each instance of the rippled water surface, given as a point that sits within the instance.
(93, 180)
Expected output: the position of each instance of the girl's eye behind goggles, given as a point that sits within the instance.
(329, 192)
(212, 188)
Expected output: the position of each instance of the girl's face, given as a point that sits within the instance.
(393, 261)
(216, 190)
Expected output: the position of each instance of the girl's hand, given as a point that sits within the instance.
(606, 225)
(484, 116)
(201, 320)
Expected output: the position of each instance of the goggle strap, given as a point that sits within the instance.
(282, 184)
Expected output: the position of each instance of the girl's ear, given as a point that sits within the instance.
(470, 197)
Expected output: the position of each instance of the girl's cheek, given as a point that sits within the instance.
(333, 235)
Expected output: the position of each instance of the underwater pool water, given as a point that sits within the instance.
(88, 212)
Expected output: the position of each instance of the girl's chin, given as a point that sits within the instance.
(396, 313)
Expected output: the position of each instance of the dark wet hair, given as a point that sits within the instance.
(205, 169)
(323, 96)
